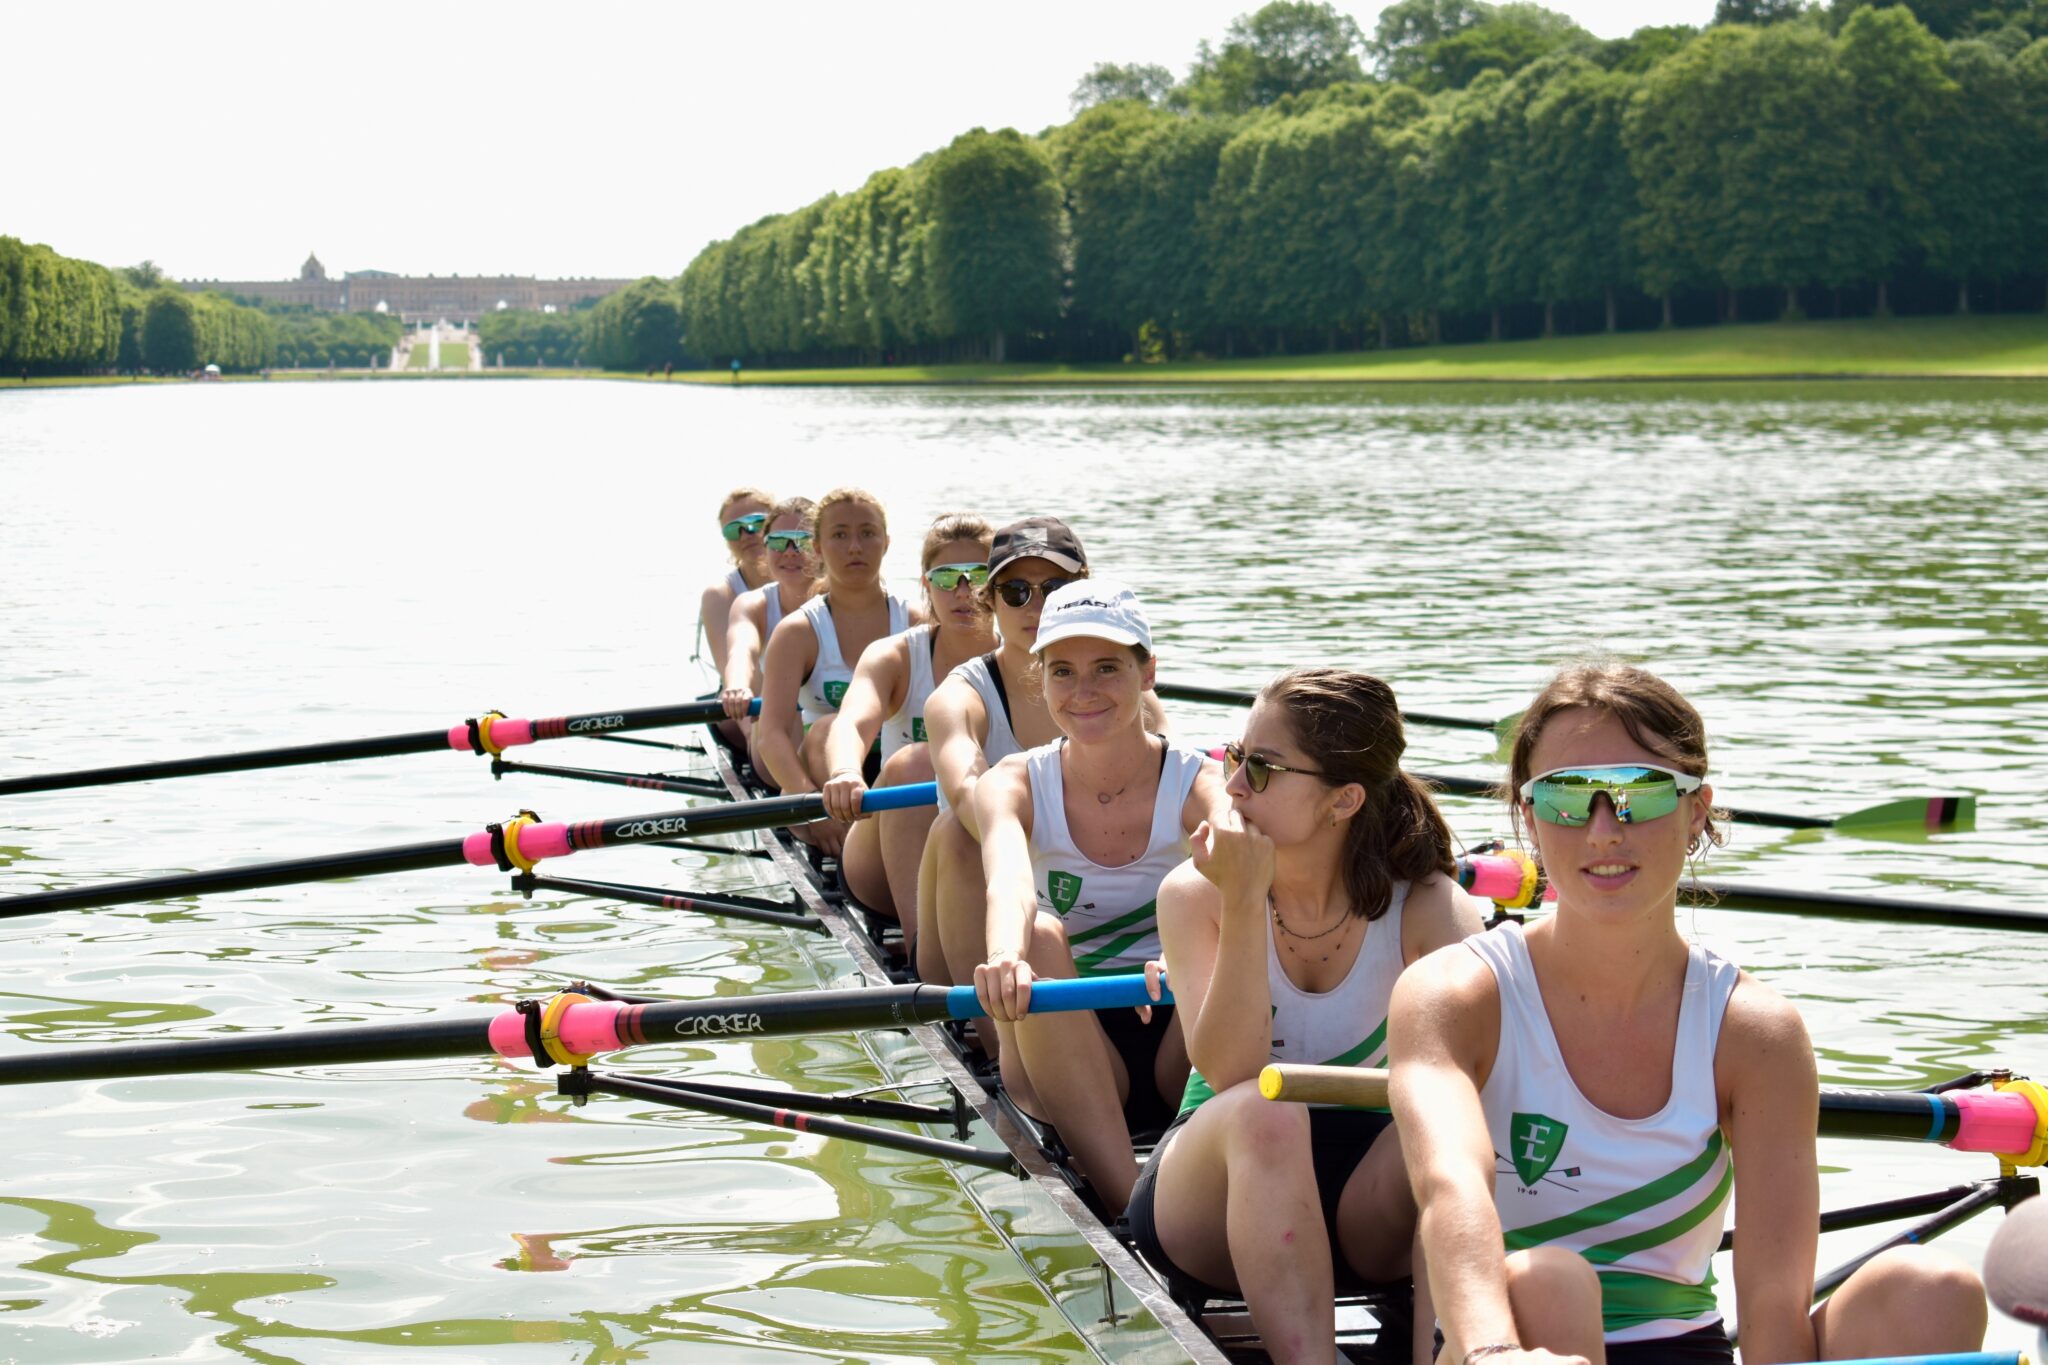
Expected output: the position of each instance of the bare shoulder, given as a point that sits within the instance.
(954, 700)
(1450, 977)
(1185, 894)
(1437, 912)
(891, 652)
(1762, 1034)
(1446, 1007)
(752, 604)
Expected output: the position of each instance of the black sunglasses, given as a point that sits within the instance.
(1016, 592)
(1258, 771)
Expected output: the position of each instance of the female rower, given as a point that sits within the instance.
(742, 517)
(891, 685)
(806, 671)
(1076, 837)
(793, 576)
(1585, 1088)
(984, 711)
(1284, 934)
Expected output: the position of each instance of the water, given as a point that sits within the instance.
(1846, 580)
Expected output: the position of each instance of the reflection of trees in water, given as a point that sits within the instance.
(936, 1286)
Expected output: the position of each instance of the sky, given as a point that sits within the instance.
(227, 140)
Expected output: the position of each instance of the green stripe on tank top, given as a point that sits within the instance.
(1609, 1252)
(1621, 1205)
(1630, 1300)
(1092, 962)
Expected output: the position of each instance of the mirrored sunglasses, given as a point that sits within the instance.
(1638, 793)
(779, 541)
(946, 577)
(748, 525)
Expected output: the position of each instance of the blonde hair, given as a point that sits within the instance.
(744, 494)
(845, 494)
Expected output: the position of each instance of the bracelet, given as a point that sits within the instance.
(1478, 1353)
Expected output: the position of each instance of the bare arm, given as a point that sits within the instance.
(791, 656)
(957, 726)
(741, 655)
(1443, 1030)
(712, 610)
(1207, 802)
(880, 680)
(1213, 923)
(1770, 1107)
(1002, 804)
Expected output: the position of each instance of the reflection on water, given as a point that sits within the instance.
(1846, 578)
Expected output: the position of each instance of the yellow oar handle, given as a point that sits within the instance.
(1355, 1085)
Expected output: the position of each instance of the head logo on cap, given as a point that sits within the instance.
(1093, 609)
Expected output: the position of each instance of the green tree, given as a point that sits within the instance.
(1757, 13)
(1408, 28)
(1900, 92)
(1285, 48)
(1111, 82)
(992, 238)
(170, 333)
(1505, 40)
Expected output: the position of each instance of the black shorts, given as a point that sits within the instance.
(1338, 1140)
(1137, 1042)
(1701, 1346)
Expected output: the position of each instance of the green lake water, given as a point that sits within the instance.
(1847, 580)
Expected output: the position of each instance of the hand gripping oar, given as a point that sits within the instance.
(1224, 696)
(519, 843)
(568, 1029)
(1932, 813)
(2011, 1122)
(1511, 880)
(490, 734)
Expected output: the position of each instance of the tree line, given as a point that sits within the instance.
(59, 315)
(1497, 172)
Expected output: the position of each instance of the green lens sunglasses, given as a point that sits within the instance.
(748, 525)
(779, 541)
(946, 577)
(1638, 792)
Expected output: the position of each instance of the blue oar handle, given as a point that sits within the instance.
(1086, 993)
(900, 798)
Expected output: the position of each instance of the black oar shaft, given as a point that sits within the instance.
(1225, 696)
(1737, 896)
(339, 1045)
(1903, 1114)
(361, 863)
(659, 1022)
(591, 723)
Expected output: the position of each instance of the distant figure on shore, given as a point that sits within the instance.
(668, 369)
(735, 370)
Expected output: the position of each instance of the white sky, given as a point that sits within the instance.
(225, 140)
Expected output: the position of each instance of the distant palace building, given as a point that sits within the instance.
(415, 298)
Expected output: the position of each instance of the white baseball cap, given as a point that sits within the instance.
(1093, 609)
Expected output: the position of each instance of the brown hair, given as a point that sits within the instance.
(1649, 709)
(846, 493)
(1350, 726)
(955, 526)
(744, 493)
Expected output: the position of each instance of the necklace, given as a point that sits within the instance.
(1308, 938)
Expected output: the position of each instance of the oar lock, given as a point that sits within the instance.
(480, 734)
(505, 843)
(543, 1019)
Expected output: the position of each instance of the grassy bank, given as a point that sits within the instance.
(2004, 347)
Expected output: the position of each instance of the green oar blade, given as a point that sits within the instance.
(1945, 813)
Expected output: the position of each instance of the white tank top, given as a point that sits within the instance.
(906, 727)
(737, 581)
(771, 610)
(979, 673)
(822, 692)
(1644, 1200)
(1343, 1026)
(1111, 914)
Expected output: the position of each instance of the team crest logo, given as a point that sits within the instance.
(1535, 1142)
(917, 730)
(1064, 888)
(835, 692)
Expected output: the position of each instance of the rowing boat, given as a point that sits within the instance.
(1111, 1297)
